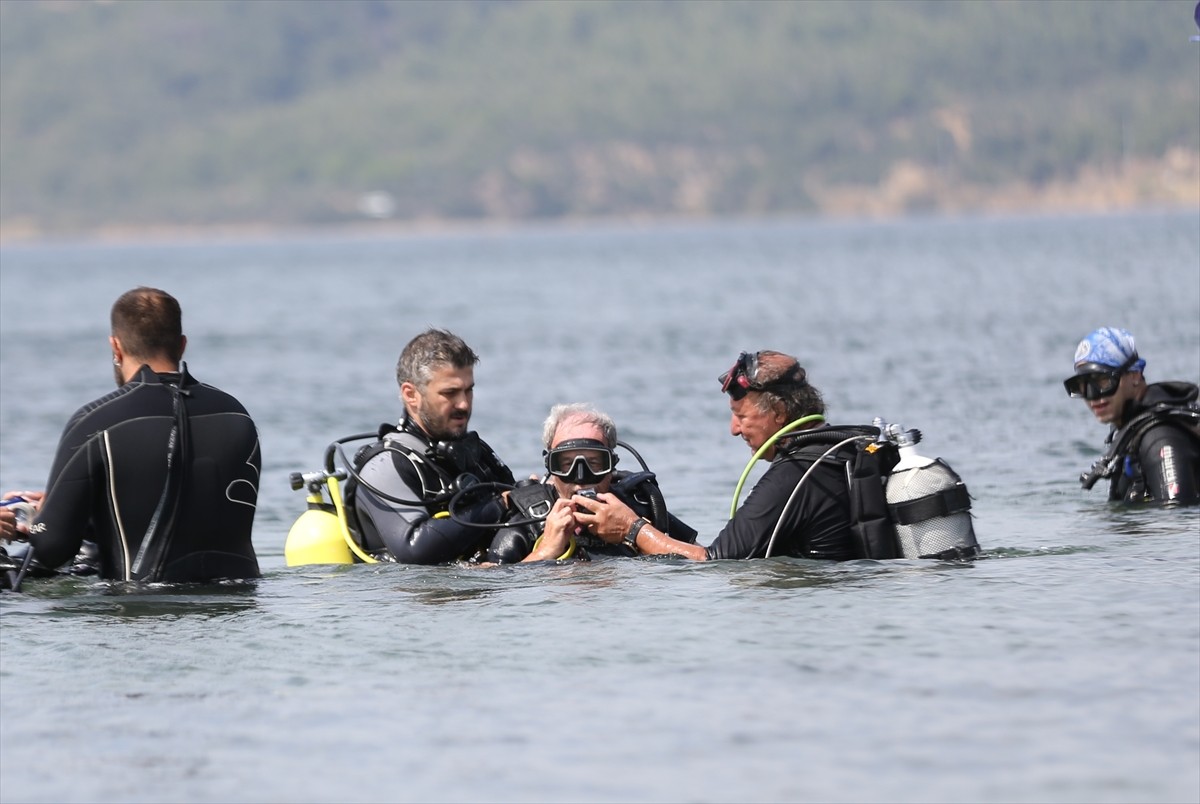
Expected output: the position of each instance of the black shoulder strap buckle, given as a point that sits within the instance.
(533, 499)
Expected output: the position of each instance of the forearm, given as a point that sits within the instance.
(612, 520)
(556, 543)
(1168, 459)
(653, 542)
(438, 540)
(550, 550)
(61, 523)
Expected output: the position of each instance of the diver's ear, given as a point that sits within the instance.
(779, 410)
(410, 396)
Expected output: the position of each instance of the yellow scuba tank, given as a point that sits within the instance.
(316, 536)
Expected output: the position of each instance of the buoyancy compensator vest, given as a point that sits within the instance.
(1126, 441)
(902, 505)
(532, 500)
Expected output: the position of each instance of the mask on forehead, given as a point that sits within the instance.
(743, 377)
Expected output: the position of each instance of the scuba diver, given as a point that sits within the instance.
(156, 481)
(1153, 442)
(579, 444)
(810, 501)
(401, 487)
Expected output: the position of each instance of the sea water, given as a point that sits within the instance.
(1063, 666)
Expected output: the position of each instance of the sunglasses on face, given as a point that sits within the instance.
(580, 460)
(1093, 385)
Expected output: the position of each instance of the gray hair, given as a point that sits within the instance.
(786, 384)
(578, 412)
(797, 402)
(428, 351)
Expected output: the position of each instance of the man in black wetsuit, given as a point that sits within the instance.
(1153, 442)
(767, 390)
(579, 444)
(398, 499)
(162, 474)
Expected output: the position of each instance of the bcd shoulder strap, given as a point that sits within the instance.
(870, 522)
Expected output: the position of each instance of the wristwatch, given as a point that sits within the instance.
(630, 539)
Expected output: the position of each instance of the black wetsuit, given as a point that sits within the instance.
(406, 465)
(817, 523)
(1161, 460)
(110, 481)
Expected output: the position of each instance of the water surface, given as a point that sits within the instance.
(1064, 666)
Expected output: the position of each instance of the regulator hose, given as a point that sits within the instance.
(458, 496)
(804, 477)
(787, 428)
(335, 493)
(353, 473)
(626, 490)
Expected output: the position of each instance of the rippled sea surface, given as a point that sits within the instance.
(1064, 666)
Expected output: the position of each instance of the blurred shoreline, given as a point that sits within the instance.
(909, 191)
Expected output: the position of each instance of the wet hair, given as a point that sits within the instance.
(430, 350)
(578, 412)
(148, 323)
(788, 385)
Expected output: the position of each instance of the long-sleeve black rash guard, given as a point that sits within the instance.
(817, 522)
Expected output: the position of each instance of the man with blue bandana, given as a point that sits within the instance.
(1153, 446)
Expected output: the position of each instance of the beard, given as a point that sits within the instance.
(442, 428)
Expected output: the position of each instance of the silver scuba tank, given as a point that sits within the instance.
(928, 504)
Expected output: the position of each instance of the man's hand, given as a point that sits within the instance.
(9, 529)
(604, 516)
(556, 535)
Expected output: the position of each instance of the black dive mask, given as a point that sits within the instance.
(584, 461)
(743, 377)
(1097, 381)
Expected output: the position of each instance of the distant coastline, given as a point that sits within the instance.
(1168, 184)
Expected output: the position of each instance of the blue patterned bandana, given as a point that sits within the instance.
(1109, 346)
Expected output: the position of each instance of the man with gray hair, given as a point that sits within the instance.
(767, 390)
(399, 496)
(579, 453)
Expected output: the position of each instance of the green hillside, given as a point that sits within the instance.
(161, 113)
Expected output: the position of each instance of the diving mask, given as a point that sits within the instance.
(584, 461)
(743, 377)
(1096, 380)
